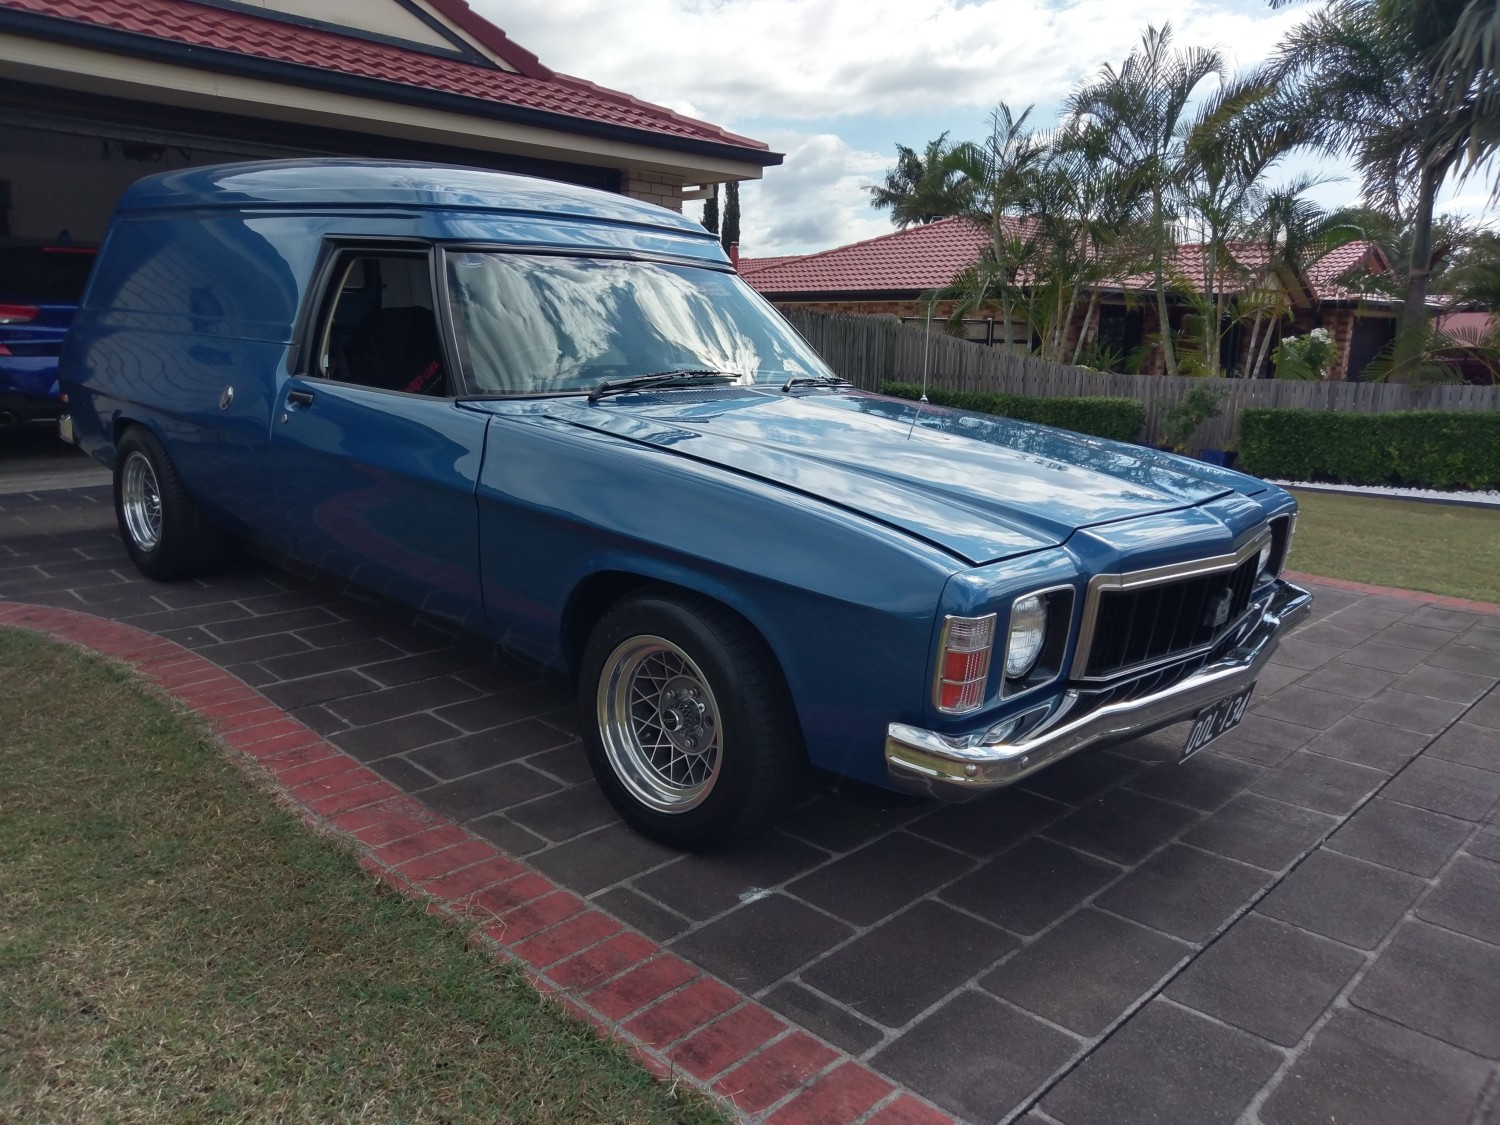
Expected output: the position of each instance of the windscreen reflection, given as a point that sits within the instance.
(533, 324)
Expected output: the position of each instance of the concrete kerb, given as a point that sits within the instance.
(677, 1021)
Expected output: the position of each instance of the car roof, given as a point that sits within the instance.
(338, 183)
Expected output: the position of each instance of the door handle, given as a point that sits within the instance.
(299, 398)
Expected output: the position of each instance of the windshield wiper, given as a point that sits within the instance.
(684, 377)
(814, 381)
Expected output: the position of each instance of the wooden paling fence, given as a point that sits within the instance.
(871, 350)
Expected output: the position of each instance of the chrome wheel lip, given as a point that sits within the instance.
(659, 723)
(140, 501)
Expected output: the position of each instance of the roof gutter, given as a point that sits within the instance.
(220, 60)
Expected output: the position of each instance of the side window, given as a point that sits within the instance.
(379, 328)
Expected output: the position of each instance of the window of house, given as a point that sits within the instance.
(1119, 335)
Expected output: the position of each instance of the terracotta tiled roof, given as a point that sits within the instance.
(1478, 323)
(755, 265)
(536, 88)
(1191, 261)
(1323, 273)
(917, 258)
(928, 257)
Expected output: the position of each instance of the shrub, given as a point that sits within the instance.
(1414, 448)
(1304, 357)
(1180, 422)
(1122, 419)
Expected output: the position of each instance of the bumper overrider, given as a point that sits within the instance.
(958, 767)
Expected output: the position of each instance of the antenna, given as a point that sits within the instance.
(926, 357)
(927, 348)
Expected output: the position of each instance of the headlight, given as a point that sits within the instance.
(1028, 633)
(1263, 565)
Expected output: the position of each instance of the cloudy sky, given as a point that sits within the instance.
(837, 84)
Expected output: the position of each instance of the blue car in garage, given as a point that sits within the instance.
(560, 419)
(39, 290)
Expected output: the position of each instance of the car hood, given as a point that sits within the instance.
(981, 487)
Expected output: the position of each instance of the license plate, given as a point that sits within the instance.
(1213, 721)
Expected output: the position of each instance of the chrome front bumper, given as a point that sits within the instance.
(955, 767)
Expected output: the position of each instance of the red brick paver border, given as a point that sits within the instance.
(1391, 592)
(679, 1023)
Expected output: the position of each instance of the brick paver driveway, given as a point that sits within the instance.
(1300, 925)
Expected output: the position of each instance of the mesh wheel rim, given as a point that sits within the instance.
(140, 500)
(659, 723)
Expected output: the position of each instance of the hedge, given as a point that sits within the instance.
(1122, 419)
(1414, 448)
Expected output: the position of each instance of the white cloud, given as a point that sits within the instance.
(802, 60)
(816, 200)
(821, 63)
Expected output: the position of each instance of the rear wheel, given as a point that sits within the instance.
(165, 534)
(687, 723)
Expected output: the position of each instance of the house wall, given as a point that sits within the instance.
(661, 188)
(1340, 325)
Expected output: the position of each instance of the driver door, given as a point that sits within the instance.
(374, 464)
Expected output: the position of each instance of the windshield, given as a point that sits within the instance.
(533, 324)
(48, 275)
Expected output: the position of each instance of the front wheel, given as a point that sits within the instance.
(165, 534)
(687, 723)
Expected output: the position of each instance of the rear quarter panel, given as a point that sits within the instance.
(180, 307)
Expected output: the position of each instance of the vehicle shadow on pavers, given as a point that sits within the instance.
(1299, 922)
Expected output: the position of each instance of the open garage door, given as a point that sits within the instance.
(60, 185)
(69, 156)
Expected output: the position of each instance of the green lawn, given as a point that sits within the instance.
(176, 947)
(1440, 548)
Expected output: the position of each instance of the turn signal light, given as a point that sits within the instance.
(963, 663)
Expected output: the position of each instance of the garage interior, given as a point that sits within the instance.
(65, 166)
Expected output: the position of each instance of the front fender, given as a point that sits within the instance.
(846, 605)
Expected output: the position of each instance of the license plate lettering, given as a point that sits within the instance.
(1215, 720)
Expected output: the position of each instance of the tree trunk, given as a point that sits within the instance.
(1250, 351)
(1061, 322)
(1088, 319)
(1414, 311)
(1265, 345)
(1211, 329)
(1164, 322)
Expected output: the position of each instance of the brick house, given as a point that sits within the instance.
(889, 275)
(97, 93)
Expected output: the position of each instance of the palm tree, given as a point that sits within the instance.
(1228, 147)
(1467, 66)
(1095, 233)
(1407, 89)
(1141, 106)
(1473, 277)
(1395, 235)
(925, 186)
(1290, 233)
(1059, 222)
(1001, 192)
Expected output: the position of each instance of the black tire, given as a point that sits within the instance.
(164, 533)
(745, 741)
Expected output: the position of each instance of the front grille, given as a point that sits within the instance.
(1158, 680)
(1135, 628)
